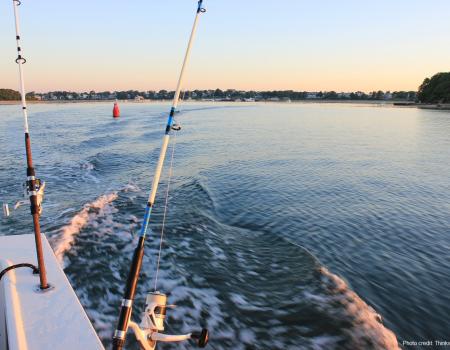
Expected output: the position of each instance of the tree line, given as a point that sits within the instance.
(215, 94)
(13, 95)
(433, 90)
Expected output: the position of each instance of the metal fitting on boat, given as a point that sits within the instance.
(5, 209)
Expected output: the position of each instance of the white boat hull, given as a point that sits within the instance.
(31, 319)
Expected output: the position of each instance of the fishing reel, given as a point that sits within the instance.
(28, 190)
(148, 331)
(37, 189)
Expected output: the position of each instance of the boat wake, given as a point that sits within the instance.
(366, 329)
(62, 242)
(252, 289)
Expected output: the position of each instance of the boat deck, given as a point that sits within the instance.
(31, 319)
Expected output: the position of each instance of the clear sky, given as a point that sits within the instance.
(249, 44)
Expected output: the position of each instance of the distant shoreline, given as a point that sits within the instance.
(438, 106)
(372, 102)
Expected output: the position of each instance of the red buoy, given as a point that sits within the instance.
(116, 111)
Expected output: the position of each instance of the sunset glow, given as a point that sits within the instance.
(259, 45)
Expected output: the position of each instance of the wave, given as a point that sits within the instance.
(64, 240)
(366, 329)
(315, 304)
(307, 306)
(195, 109)
(87, 166)
(338, 299)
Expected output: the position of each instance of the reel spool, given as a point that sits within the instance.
(39, 187)
(148, 331)
(155, 312)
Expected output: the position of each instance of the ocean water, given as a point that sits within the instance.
(289, 226)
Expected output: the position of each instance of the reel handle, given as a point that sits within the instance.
(201, 337)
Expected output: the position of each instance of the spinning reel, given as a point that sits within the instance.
(148, 331)
(28, 190)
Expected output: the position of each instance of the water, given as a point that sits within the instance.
(290, 226)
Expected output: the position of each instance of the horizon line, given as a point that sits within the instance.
(88, 91)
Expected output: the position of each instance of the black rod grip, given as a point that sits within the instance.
(130, 291)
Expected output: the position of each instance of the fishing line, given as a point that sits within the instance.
(165, 207)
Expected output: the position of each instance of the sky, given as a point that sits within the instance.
(346, 45)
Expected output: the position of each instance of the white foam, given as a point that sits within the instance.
(365, 320)
(242, 303)
(199, 299)
(325, 342)
(247, 336)
(87, 166)
(131, 188)
(64, 240)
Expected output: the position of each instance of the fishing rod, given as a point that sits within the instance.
(34, 186)
(155, 310)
